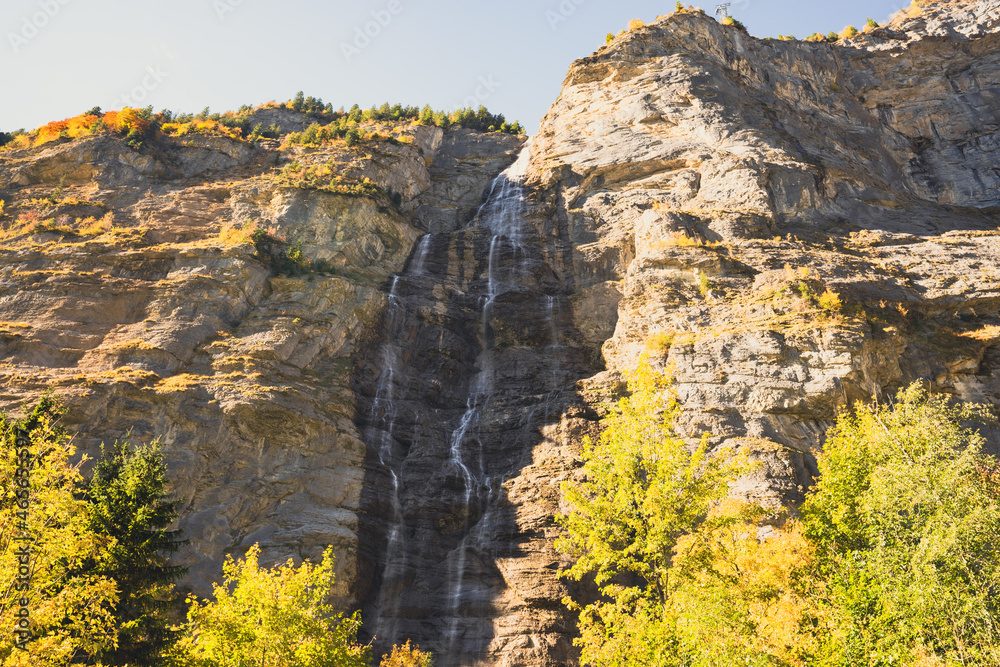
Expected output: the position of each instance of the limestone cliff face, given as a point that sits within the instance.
(790, 226)
(163, 327)
(703, 187)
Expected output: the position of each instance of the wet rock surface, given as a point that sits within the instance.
(161, 325)
(789, 226)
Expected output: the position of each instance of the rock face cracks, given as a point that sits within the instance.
(789, 226)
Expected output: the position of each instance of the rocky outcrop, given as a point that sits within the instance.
(167, 323)
(789, 226)
(710, 186)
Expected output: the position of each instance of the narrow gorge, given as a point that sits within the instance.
(789, 226)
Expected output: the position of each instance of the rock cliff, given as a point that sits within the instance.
(162, 320)
(790, 226)
(705, 189)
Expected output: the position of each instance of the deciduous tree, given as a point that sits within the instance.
(274, 617)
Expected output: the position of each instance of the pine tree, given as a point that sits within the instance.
(129, 504)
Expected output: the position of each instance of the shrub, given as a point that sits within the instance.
(93, 227)
(848, 32)
(635, 24)
(872, 24)
(832, 36)
(610, 38)
(830, 301)
(704, 285)
(730, 21)
(407, 655)
(660, 343)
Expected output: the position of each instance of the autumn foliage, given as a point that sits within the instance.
(136, 126)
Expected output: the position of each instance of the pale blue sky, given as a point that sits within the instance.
(61, 57)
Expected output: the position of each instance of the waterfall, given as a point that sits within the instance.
(468, 369)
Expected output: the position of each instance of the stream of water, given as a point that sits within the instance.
(443, 486)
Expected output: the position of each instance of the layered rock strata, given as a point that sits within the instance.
(164, 322)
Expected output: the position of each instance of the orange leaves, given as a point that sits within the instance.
(125, 122)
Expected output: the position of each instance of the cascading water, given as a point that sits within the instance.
(467, 372)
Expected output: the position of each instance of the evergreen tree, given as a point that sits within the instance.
(299, 102)
(129, 505)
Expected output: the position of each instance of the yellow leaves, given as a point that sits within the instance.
(202, 127)
(407, 655)
(233, 234)
(742, 591)
(92, 226)
(45, 528)
(830, 301)
(277, 615)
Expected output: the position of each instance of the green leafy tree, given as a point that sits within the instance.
(129, 504)
(274, 617)
(642, 490)
(299, 102)
(906, 523)
(45, 540)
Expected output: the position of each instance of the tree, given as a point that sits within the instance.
(45, 539)
(274, 617)
(407, 655)
(906, 524)
(353, 137)
(643, 489)
(129, 504)
(299, 103)
(742, 600)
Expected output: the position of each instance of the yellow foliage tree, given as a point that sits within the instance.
(51, 614)
(275, 617)
(407, 655)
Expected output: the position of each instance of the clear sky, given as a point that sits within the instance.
(59, 58)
